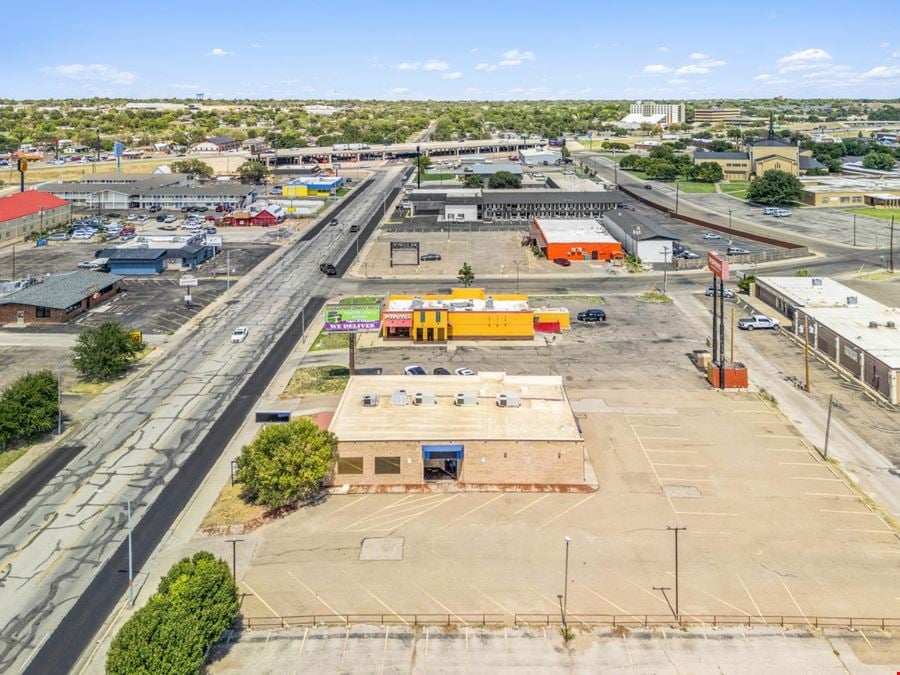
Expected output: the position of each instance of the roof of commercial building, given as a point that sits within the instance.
(539, 151)
(27, 203)
(826, 301)
(117, 254)
(488, 303)
(213, 190)
(638, 118)
(488, 169)
(86, 188)
(838, 184)
(551, 197)
(699, 156)
(628, 221)
(60, 291)
(142, 178)
(220, 140)
(576, 230)
(316, 180)
(545, 413)
(810, 163)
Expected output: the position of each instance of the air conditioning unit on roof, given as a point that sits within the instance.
(508, 401)
(370, 400)
(424, 398)
(466, 398)
(399, 397)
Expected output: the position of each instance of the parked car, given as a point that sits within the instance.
(59, 236)
(168, 228)
(737, 250)
(562, 262)
(712, 235)
(758, 321)
(113, 214)
(728, 292)
(415, 370)
(239, 334)
(132, 217)
(781, 213)
(591, 315)
(185, 209)
(687, 255)
(464, 371)
(143, 217)
(440, 371)
(83, 235)
(328, 268)
(161, 218)
(209, 229)
(155, 208)
(170, 219)
(429, 257)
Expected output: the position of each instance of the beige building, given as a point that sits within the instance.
(716, 115)
(674, 112)
(489, 429)
(759, 157)
(846, 192)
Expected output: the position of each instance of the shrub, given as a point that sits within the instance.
(28, 407)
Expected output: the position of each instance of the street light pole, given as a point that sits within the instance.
(517, 263)
(676, 530)
(677, 193)
(665, 252)
(59, 398)
(565, 602)
(130, 559)
(234, 543)
(729, 226)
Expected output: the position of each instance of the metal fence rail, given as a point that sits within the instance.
(521, 620)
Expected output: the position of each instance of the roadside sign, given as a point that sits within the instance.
(23, 165)
(136, 337)
(353, 318)
(118, 149)
(717, 265)
(187, 280)
(213, 240)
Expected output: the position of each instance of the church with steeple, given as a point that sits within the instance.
(761, 156)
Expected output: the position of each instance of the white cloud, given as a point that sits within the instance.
(765, 77)
(455, 75)
(485, 66)
(657, 69)
(692, 70)
(94, 72)
(516, 55)
(712, 63)
(511, 57)
(885, 45)
(399, 90)
(219, 52)
(698, 56)
(805, 56)
(255, 46)
(662, 49)
(474, 50)
(436, 65)
(882, 72)
(676, 80)
(408, 65)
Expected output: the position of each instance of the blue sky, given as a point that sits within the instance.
(458, 50)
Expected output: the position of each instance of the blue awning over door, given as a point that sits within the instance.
(442, 451)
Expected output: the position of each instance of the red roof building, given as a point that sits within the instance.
(26, 212)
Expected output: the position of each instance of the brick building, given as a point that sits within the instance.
(59, 298)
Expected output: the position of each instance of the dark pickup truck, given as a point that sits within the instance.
(328, 268)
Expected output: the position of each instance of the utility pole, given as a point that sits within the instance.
(676, 530)
(663, 589)
(351, 337)
(854, 229)
(130, 559)
(828, 425)
(806, 350)
(234, 543)
(729, 227)
(732, 335)
(227, 270)
(59, 398)
(891, 249)
(665, 252)
(564, 598)
(517, 263)
(677, 191)
(418, 167)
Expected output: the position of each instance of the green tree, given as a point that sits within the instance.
(664, 152)
(193, 167)
(661, 169)
(465, 275)
(883, 161)
(709, 172)
(104, 352)
(28, 407)
(422, 163)
(253, 171)
(630, 161)
(286, 462)
(473, 181)
(504, 179)
(614, 145)
(775, 187)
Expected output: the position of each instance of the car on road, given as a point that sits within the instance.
(239, 334)
(415, 370)
(538, 175)
(440, 371)
(354, 228)
(737, 250)
(589, 315)
(209, 229)
(328, 268)
(468, 372)
(59, 236)
(333, 221)
(562, 262)
(428, 257)
(712, 235)
(758, 321)
(728, 292)
(647, 186)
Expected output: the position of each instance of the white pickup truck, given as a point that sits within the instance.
(758, 321)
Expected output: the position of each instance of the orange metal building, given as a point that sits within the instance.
(579, 239)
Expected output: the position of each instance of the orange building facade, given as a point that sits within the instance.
(581, 239)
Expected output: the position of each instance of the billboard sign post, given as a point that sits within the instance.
(361, 318)
(718, 265)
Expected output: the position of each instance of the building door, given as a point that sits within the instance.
(442, 462)
(595, 255)
(440, 334)
(429, 334)
(418, 334)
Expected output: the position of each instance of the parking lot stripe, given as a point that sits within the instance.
(787, 450)
(693, 466)
(653, 468)
(303, 642)
(838, 480)
(377, 599)
(689, 452)
(387, 630)
(710, 595)
(394, 520)
(798, 463)
(794, 600)
(528, 506)
(471, 511)
(662, 438)
(703, 513)
(574, 506)
(347, 506)
(854, 513)
(826, 494)
(657, 426)
(750, 595)
(372, 516)
(610, 602)
(258, 597)
(691, 480)
(890, 532)
(505, 609)
(315, 595)
(442, 605)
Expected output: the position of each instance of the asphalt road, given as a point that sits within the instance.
(61, 553)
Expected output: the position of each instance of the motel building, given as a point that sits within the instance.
(476, 431)
(467, 314)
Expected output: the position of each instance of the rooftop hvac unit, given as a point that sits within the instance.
(417, 303)
(489, 303)
(852, 300)
(509, 401)
(873, 324)
(424, 398)
(890, 324)
(398, 397)
(370, 400)
(466, 398)
(816, 281)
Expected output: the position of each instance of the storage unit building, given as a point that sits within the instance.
(490, 429)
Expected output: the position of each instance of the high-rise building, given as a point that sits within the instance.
(716, 114)
(674, 112)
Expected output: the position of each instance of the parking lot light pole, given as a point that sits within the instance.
(565, 597)
(665, 252)
(130, 559)
(729, 227)
(234, 543)
(59, 398)
(676, 530)
(677, 192)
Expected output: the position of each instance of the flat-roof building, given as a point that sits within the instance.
(312, 186)
(716, 115)
(489, 429)
(141, 191)
(843, 192)
(851, 330)
(574, 239)
(540, 156)
(640, 236)
(467, 314)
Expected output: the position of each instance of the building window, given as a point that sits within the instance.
(387, 465)
(350, 466)
(845, 200)
(42, 312)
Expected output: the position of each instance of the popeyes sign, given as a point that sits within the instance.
(717, 265)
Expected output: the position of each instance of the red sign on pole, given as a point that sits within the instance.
(718, 265)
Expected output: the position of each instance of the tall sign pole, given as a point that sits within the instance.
(718, 265)
(418, 167)
(22, 166)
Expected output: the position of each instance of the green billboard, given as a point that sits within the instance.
(362, 318)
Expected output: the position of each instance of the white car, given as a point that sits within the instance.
(239, 334)
(170, 219)
(712, 235)
(464, 371)
(82, 235)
